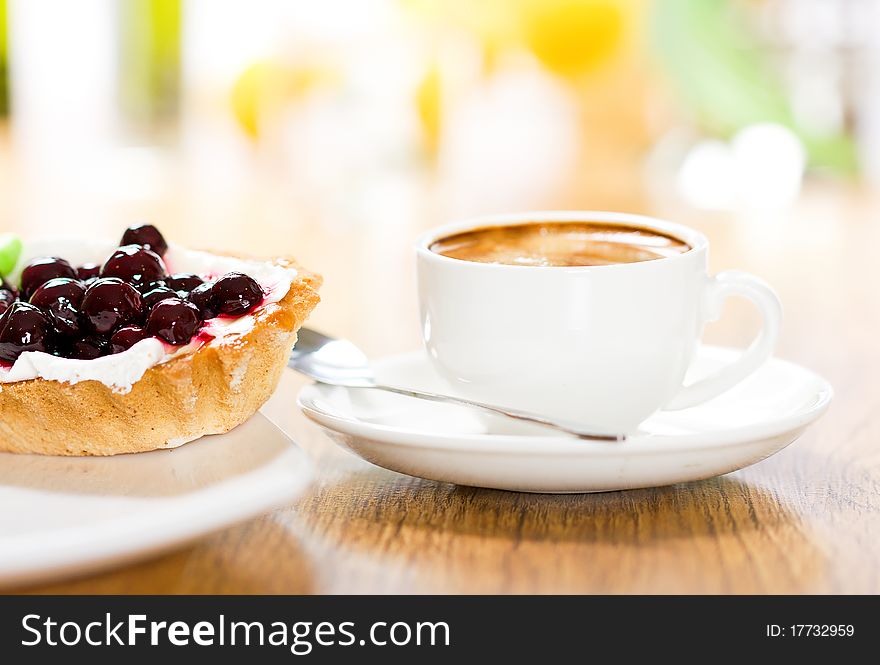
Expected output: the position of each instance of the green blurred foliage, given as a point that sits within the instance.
(150, 43)
(725, 77)
(10, 251)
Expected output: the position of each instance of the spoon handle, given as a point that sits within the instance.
(510, 413)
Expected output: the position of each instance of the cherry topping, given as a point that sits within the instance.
(66, 319)
(145, 287)
(89, 348)
(174, 321)
(236, 294)
(184, 281)
(135, 264)
(110, 303)
(88, 271)
(6, 299)
(158, 294)
(146, 235)
(93, 310)
(23, 327)
(60, 289)
(126, 337)
(60, 298)
(201, 298)
(41, 270)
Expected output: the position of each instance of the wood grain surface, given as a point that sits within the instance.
(806, 520)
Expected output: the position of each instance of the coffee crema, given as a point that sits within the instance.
(559, 244)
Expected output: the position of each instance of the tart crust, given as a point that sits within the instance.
(209, 391)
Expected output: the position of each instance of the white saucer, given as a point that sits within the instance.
(64, 515)
(752, 421)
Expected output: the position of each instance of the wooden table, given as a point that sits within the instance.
(804, 521)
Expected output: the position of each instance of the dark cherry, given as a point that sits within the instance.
(126, 337)
(6, 299)
(146, 235)
(60, 289)
(88, 271)
(158, 294)
(201, 298)
(235, 294)
(60, 298)
(8, 295)
(24, 327)
(89, 348)
(174, 321)
(134, 264)
(110, 303)
(184, 281)
(41, 270)
(66, 318)
(145, 287)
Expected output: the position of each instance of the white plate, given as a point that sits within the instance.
(755, 419)
(63, 515)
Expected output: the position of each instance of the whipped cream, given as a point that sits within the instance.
(122, 370)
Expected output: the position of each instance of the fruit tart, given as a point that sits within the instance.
(109, 349)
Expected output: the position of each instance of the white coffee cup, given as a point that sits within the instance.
(603, 346)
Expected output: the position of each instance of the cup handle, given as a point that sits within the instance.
(718, 289)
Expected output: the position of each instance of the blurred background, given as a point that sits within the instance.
(338, 130)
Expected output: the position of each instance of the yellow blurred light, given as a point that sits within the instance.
(251, 92)
(573, 37)
(569, 37)
(265, 87)
(428, 105)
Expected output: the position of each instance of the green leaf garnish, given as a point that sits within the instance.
(10, 250)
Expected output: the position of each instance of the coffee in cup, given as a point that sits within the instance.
(559, 244)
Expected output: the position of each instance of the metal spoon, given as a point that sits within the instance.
(338, 362)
